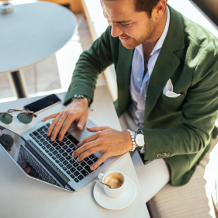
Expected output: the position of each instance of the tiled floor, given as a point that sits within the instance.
(54, 73)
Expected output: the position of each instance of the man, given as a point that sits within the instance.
(167, 75)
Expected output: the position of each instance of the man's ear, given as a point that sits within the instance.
(159, 9)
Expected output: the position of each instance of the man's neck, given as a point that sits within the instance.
(148, 46)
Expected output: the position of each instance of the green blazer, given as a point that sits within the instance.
(176, 129)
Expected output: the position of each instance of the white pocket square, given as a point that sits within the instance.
(168, 90)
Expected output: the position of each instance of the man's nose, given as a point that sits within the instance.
(115, 30)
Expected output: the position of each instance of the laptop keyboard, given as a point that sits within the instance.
(61, 153)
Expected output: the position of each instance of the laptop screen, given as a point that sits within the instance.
(17, 148)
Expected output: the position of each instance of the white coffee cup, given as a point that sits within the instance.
(117, 188)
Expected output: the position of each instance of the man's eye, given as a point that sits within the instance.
(124, 24)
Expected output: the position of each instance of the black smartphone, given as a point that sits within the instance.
(43, 104)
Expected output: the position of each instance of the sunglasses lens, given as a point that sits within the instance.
(25, 118)
(7, 141)
(5, 118)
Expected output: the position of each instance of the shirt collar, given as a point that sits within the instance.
(160, 42)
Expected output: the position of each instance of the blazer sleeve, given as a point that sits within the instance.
(199, 112)
(90, 64)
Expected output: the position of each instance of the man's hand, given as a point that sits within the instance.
(75, 111)
(108, 141)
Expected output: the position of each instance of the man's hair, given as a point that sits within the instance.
(146, 5)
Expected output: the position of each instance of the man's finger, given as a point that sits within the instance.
(84, 148)
(51, 127)
(82, 122)
(99, 162)
(88, 152)
(64, 128)
(87, 140)
(58, 126)
(49, 117)
(97, 128)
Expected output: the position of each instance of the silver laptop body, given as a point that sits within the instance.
(52, 162)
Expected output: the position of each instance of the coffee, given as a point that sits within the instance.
(115, 180)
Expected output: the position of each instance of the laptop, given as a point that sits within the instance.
(52, 162)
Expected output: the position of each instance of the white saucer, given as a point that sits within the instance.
(115, 203)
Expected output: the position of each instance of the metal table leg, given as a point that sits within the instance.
(18, 83)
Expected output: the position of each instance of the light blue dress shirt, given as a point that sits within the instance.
(138, 84)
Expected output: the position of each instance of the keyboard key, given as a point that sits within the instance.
(60, 164)
(65, 154)
(79, 168)
(92, 156)
(95, 159)
(64, 139)
(80, 177)
(35, 133)
(55, 144)
(64, 168)
(85, 173)
(76, 173)
(75, 164)
(50, 154)
(68, 142)
(65, 162)
(76, 180)
(68, 172)
(72, 169)
(72, 139)
(83, 164)
(45, 143)
(72, 176)
(69, 166)
(65, 147)
(58, 155)
(72, 161)
(62, 159)
(48, 146)
(61, 143)
(53, 157)
(90, 162)
(48, 124)
(72, 146)
(68, 157)
(57, 161)
(58, 147)
(55, 152)
(69, 150)
(61, 151)
(88, 169)
(51, 149)
(86, 159)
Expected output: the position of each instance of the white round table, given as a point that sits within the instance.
(31, 33)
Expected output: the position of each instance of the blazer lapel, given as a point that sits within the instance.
(123, 71)
(167, 61)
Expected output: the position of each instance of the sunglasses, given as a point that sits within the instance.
(25, 116)
(6, 140)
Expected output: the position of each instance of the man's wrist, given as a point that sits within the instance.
(137, 139)
(132, 136)
(77, 96)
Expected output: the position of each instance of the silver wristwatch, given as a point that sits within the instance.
(137, 139)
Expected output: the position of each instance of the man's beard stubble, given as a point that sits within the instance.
(151, 29)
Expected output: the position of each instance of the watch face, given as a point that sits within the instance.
(139, 139)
